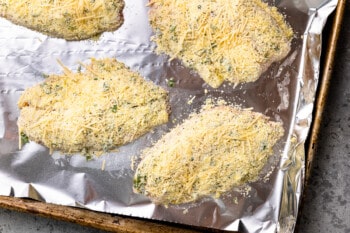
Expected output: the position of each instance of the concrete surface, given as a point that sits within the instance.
(16, 222)
(327, 204)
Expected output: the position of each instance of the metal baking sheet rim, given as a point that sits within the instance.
(113, 222)
(321, 98)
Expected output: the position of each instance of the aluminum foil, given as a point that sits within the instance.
(285, 92)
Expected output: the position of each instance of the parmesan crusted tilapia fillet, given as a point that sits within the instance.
(68, 19)
(207, 155)
(106, 106)
(223, 40)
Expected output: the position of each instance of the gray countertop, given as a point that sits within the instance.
(326, 207)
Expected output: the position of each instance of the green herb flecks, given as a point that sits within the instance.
(88, 157)
(24, 138)
(106, 87)
(114, 108)
(140, 183)
(47, 89)
(171, 82)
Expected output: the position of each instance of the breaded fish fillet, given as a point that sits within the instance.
(106, 106)
(68, 19)
(223, 40)
(207, 155)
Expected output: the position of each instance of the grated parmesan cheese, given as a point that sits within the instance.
(69, 19)
(106, 106)
(233, 40)
(207, 155)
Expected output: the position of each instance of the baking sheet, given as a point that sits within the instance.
(285, 92)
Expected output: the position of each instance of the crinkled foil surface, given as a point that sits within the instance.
(285, 92)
